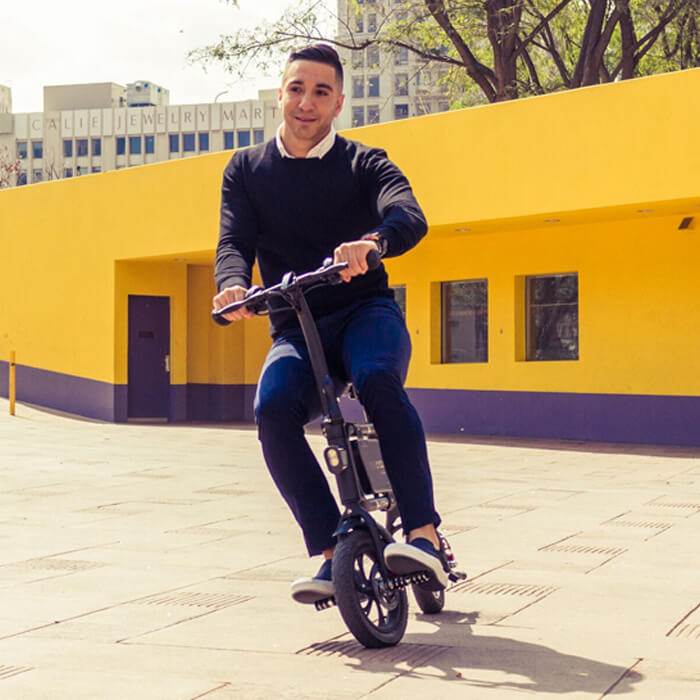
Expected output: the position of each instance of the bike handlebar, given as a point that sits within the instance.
(256, 298)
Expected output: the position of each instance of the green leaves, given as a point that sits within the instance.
(488, 50)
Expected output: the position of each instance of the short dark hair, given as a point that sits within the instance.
(320, 53)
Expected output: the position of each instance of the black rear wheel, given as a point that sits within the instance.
(375, 615)
(429, 602)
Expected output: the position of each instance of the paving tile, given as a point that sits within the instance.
(126, 572)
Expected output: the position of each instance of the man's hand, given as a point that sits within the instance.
(354, 254)
(228, 296)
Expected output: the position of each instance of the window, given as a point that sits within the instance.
(96, 169)
(357, 59)
(400, 297)
(174, 143)
(401, 84)
(134, 145)
(37, 176)
(552, 317)
(358, 87)
(97, 147)
(67, 172)
(373, 114)
(258, 135)
(358, 116)
(243, 139)
(37, 149)
(21, 149)
(372, 57)
(22, 178)
(373, 86)
(204, 141)
(465, 321)
(67, 148)
(121, 145)
(81, 147)
(401, 56)
(188, 143)
(359, 24)
(400, 111)
(79, 172)
(150, 144)
(443, 106)
(372, 22)
(228, 140)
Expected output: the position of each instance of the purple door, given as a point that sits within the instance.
(149, 357)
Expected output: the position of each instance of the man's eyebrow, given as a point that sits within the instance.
(325, 86)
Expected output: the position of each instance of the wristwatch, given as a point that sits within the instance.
(382, 243)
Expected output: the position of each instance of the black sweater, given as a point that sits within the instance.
(291, 213)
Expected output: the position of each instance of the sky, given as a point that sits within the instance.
(45, 42)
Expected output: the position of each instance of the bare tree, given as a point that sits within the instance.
(506, 48)
(9, 168)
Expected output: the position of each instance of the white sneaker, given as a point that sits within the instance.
(419, 555)
(311, 590)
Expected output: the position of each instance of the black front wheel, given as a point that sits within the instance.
(374, 614)
(430, 602)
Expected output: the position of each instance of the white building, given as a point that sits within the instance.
(382, 86)
(90, 129)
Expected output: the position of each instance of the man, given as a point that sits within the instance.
(290, 203)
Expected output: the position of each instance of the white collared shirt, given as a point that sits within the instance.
(318, 151)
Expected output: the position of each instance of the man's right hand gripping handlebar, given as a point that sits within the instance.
(230, 297)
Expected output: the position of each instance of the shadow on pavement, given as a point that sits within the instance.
(454, 653)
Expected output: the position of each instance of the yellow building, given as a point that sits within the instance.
(557, 293)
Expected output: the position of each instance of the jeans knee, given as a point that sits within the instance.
(377, 380)
(273, 409)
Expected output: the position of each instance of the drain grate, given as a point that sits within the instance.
(583, 549)
(411, 654)
(148, 474)
(673, 504)
(10, 671)
(55, 565)
(196, 599)
(648, 524)
(225, 491)
(509, 589)
(686, 632)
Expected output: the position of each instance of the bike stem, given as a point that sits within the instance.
(333, 423)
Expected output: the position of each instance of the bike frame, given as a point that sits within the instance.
(341, 458)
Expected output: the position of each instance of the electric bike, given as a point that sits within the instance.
(371, 599)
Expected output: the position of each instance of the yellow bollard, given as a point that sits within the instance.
(12, 382)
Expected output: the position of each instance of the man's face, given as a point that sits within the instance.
(310, 98)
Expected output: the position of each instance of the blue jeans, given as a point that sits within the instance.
(368, 344)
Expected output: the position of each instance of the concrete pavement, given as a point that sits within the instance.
(154, 562)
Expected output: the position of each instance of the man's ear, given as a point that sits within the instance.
(338, 109)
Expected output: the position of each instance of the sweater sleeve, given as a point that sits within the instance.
(403, 222)
(238, 231)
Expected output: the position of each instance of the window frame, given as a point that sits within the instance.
(531, 350)
(446, 346)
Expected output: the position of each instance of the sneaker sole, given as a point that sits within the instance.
(414, 560)
(308, 592)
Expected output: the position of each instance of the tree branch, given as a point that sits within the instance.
(474, 68)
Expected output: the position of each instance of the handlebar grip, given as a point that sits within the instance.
(373, 260)
(219, 319)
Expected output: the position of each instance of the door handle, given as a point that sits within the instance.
(166, 363)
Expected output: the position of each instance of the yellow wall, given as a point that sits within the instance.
(639, 314)
(74, 249)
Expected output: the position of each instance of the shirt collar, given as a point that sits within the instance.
(318, 151)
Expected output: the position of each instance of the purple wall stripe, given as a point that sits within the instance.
(664, 420)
